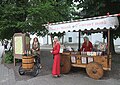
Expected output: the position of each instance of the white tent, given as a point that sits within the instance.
(102, 22)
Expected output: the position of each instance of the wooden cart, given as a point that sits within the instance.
(29, 65)
(95, 63)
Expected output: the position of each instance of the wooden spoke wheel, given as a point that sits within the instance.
(65, 64)
(94, 70)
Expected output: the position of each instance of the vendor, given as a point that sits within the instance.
(36, 46)
(36, 51)
(87, 45)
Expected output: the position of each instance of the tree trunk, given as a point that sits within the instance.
(112, 47)
(51, 39)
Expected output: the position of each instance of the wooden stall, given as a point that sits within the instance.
(21, 43)
(94, 62)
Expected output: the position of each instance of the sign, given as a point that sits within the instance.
(105, 22)
(18, 45)
(73, 59)
(90, 59)
(84, 60)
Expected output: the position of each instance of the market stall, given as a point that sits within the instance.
(95, 62)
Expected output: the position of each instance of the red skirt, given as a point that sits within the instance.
(56, 65)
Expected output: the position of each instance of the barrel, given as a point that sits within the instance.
(65, 63)
(27, 62)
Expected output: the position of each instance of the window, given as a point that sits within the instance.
(70, 39)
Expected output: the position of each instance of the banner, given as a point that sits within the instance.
(106, 22)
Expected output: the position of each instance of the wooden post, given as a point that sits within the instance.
(108, 53)
(79, 41)
(108, 42)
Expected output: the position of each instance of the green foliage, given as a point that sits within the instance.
(92, 8)
(9, 57)
(30, 15)
(98, 7)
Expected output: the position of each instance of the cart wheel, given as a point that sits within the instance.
(94, 70)
(35, 71)
(65, 64)
(21, 70)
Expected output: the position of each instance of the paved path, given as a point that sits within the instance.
(67, 80)
(7, 78)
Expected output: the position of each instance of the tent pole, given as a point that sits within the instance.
(79, 41)
(108, 42)
(108, 53)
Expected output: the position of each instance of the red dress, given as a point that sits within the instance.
(56, 63)
(86, 48)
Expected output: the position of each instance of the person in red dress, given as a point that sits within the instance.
(56, 53)
(87, 45)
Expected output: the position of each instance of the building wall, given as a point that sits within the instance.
(74, 35)
(47, 39)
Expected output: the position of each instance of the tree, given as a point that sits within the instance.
(60, 35)
(92, 8)
(11, 19)
(30, 15)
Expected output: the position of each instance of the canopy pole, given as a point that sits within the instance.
(109, 54)
(79, 41)
(108, 42)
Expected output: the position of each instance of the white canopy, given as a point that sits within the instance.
(84, 24)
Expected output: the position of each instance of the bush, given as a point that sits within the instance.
(9, 58)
